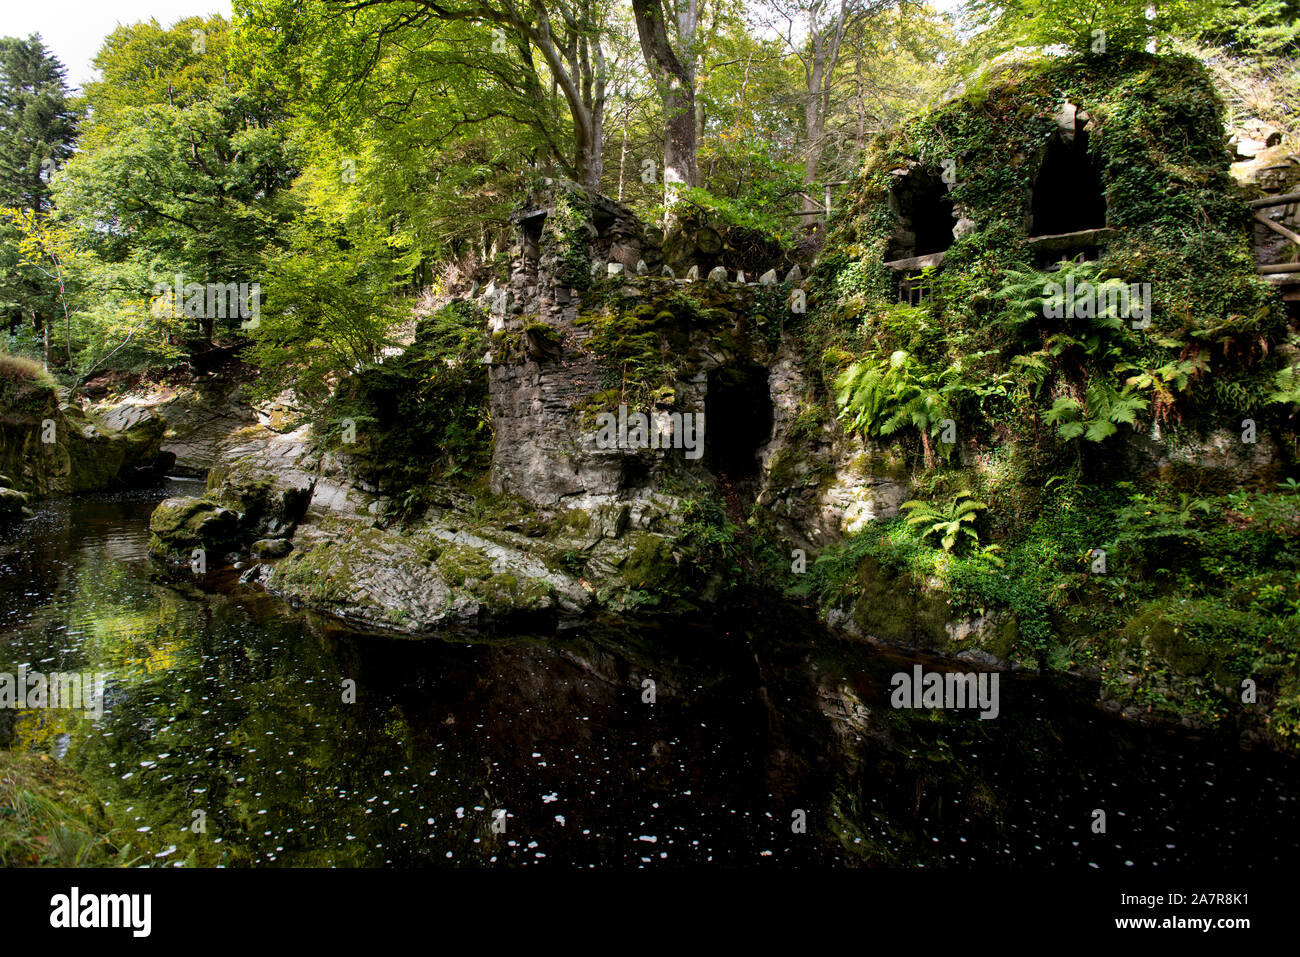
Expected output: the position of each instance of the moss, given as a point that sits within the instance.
(574, 521)
(458, 563)
(179, 525)
(648, 564)
(320, 573)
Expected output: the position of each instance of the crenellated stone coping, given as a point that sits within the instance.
(718, 275)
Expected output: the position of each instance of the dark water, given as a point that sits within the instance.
(222, 707)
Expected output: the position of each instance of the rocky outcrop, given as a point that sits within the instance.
(51, 447)
(297, 520)
(12, 502)
(201, 419)
(574, 523)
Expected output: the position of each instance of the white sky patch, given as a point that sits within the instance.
(74, 30)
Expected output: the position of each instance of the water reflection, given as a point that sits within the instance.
(223, 711)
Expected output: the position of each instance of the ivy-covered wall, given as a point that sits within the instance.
(980, 350)
(1095, 489)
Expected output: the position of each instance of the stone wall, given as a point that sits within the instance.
(547, 384)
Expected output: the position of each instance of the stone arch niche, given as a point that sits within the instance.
(926, 214)
(737, 420)
(1067, 196)
(530, 235)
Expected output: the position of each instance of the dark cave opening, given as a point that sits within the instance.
(531, 236)
(737, 420)
(926, 211)
(1068, 196)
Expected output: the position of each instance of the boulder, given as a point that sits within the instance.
(11, 504)
(272, 548)
(179, 525)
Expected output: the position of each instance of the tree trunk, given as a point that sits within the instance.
(675, 78)
(622, 165)
(825, 41)
(814, 132)
(927, 449)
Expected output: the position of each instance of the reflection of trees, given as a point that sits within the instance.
(223, 704)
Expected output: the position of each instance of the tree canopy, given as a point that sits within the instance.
(388, 141)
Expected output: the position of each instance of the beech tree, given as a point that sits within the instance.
(524, 57)
(672, 69)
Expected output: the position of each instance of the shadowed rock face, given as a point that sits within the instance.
(50, 447)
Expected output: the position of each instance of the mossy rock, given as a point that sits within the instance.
(459, 563)
(506, 593)
(263, 505)
(574, 522)
(316, 575)
(893, 606)
(648, 564)
(179, 525)
(271, 548)
(1195, 637)
(11, 504)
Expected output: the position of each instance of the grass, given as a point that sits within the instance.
(17, 370)
(22, 379)
(49, 817)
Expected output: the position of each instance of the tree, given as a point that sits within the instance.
(43, 246)
(672, 68)
(366, 56)
(185, 165)
(814, 32)
(38, 125)
(1091, 26)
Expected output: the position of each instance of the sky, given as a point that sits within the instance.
(74, 29)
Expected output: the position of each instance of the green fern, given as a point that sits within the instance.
(1099, 417)
(1287, 383)
(952, 520)
(881, 398)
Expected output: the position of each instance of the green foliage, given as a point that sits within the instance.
(1287, 386)
(995, 347)
(952, 520)
(183, 169)
(330, 308)
(748, 186)
(421, 416)
(569, 220)
(880, 399)
(1197, 592)
(1089, 26)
